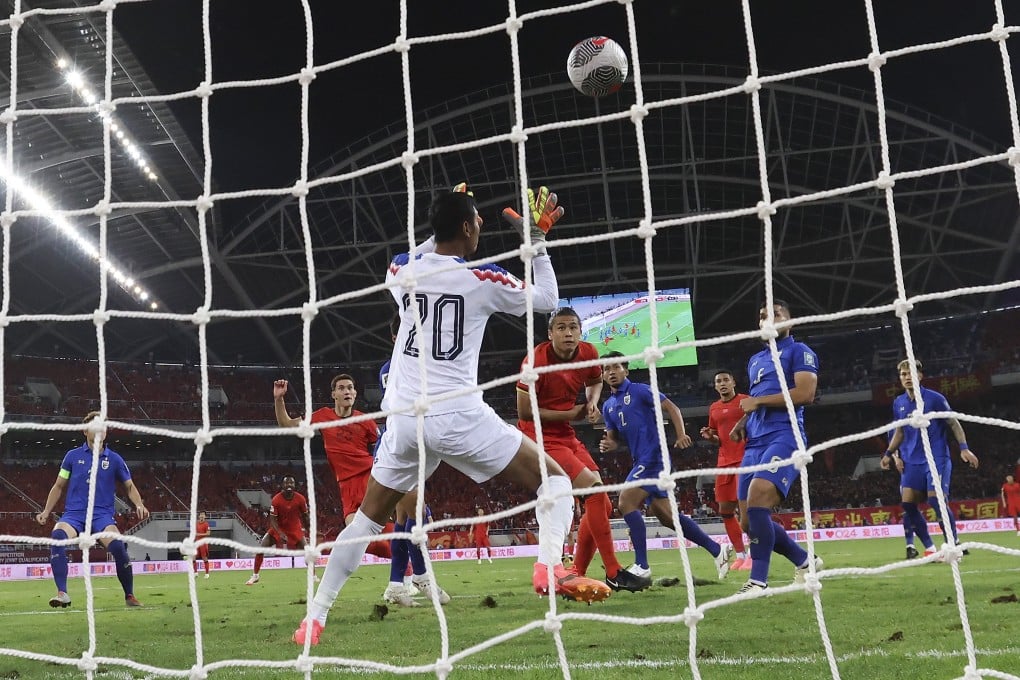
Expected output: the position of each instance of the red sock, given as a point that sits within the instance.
(258, 563)
(584, 548)
(734, 532)
(207, 566)
(195, 564)
(380, 549)
(597, 509)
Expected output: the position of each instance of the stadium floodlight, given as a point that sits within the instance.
(39, 203)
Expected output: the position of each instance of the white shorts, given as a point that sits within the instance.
(477, 442)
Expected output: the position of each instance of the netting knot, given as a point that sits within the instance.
(203, 203)
(545, 504)
(812, 584)
(300, 189)
(421, 406)
(529, 376)
(408, 159)
(513, 25)
(4, 323)
(408, 282)
(919, 420)
(971, 673)
(665, 482)
(203, 90)
(876, 61)
(652, 355)
(692, 617)
(1014, 156)
(517, 135)
(188, 549)
(305, 430)
(999, 33)
(87, 663)
(443, 668)
(96, 426)
(552, 624)
(951, 554)
(201, 316)
(884, 181)
(309, 311)
(102, 208)
(638, 113)
(418, 535)
(752, 84)
(801, 459)
(768, 331)
(307, 75)
(203, 438)
(531, 251)
(16, 21)
(902, 307)
(402, 44)
(645, 229)
(625, 2)
(105, 107)
(100, 317)
(197, 673)
(8, 116)
(311, 554)
(7, 220)
(764, 210)
(107, 5)
(85, 542)
(304, 664)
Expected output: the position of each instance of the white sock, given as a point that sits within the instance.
(553, 524)
(342, 562)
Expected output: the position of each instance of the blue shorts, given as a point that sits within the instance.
(917, 476)
(648, 472)
(773, 448)
(100, 520)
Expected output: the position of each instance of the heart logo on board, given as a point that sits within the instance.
(230, 563)
(830, 534)
(460, 553)
(959, 526)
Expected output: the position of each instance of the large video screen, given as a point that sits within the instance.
(622, 322)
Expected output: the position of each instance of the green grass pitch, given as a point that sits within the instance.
(676, 324)
(898, 624)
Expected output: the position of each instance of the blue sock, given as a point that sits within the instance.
(908, 529)
(693, 533)
(638, 537)
(398, 559)
(762, 532)
(414, 552)
(124, 573)
(920, 526)
(58, 560)
(787, 547)
(934, 503)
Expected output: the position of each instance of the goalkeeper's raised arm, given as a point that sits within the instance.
(545, 212)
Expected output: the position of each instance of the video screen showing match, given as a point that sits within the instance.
(623, 322)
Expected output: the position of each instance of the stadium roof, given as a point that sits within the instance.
(956, 228)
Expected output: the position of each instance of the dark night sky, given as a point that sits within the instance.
(256, 132)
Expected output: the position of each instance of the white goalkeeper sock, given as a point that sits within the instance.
(553, 523)
(343, 560)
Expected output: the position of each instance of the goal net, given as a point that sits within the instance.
(100, 98)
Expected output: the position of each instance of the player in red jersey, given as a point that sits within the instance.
(348, 447)
(557, 396)
(202, 531)
(480, 538)
(1011, 500)
(722, 416)
(288, 520)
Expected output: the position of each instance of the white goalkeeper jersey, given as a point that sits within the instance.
(455, 306)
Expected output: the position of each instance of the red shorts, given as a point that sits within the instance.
(482, 542)
(1013, 509)
(572, 456)
(203, 552)
(295, 537)
(352, 493)
(726, 487)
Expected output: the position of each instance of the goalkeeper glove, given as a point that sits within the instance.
(462, 188)
(544, 214)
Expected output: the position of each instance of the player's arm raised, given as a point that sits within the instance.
(56, 491)
(283, 418)
(544, 212)
(683, 440)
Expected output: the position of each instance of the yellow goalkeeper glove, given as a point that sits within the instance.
(462, 188)
(544, 214)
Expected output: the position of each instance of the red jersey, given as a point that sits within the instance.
(722, 416)
(288, 514)
(201, 529)
(1011, 492)
(348, 447)
(481, 530)
(558, 390)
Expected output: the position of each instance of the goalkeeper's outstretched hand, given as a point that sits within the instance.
(544, 214)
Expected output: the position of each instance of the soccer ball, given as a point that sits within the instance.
(597, 66)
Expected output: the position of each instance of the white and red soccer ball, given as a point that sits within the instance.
(597, 66)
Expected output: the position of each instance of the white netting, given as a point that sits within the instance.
(648, 229)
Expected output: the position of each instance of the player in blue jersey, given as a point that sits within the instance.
(629, 412)
(769, 437)
(907, 449)
(74, 476)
